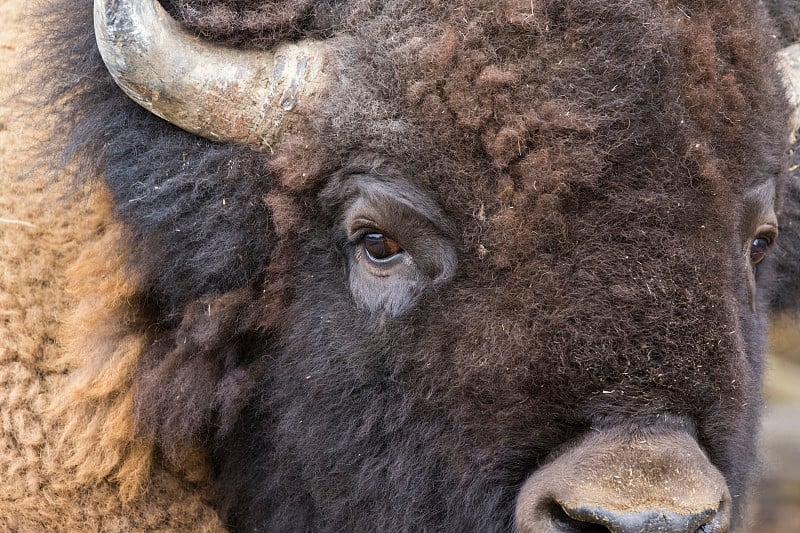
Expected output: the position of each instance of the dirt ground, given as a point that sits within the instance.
(41, 233)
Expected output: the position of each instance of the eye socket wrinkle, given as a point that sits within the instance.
(397, 250)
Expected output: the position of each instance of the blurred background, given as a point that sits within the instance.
(779, 488)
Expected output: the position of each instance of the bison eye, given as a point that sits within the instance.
(379, 247)
(758, 248)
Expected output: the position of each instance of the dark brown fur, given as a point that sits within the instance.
(594, 157)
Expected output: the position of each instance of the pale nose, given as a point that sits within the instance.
(650, 480)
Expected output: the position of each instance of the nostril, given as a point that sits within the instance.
(718, 521)
(563, 523)
(596, 520)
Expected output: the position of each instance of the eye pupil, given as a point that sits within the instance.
(379, 247)
(758, 249)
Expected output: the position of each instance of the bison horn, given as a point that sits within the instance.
(250, 97)
(789, 61)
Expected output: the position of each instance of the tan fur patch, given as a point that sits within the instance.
(103, 344)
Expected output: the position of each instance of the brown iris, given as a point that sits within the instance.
(379, 247)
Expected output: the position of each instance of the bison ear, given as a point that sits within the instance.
(223, 94)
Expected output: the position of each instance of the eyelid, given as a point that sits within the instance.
(767, 231)
(359, 227)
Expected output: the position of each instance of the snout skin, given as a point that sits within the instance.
(624, 481)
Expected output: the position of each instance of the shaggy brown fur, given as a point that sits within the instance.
(594, 157)
(41, 234)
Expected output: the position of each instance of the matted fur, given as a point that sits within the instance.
(594, 157)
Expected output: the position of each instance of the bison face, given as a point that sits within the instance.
(606, 382)
(519, 274)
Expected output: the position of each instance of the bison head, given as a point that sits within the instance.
(468, 266)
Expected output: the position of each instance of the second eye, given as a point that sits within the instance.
(758, 249)
(380, 248)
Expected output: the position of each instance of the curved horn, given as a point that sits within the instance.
(789, 62)
(250, 97)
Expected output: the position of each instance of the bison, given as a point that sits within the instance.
(429, 266)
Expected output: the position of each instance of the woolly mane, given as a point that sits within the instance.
(593, 155)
